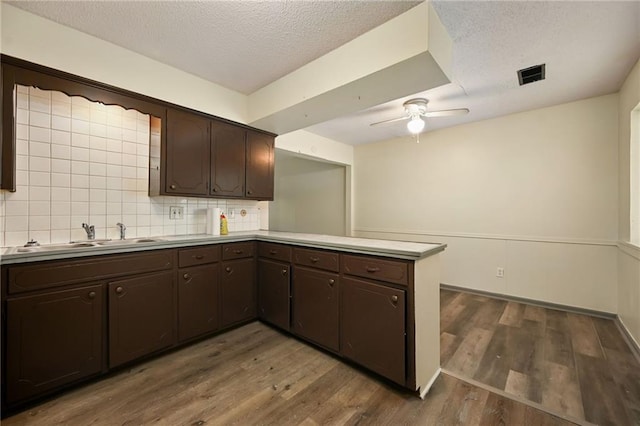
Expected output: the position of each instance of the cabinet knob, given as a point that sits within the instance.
(172, 186)
(284, 272)
(331, 282)
(119, 290)
(186, 276)
(394, 299)
(238, 251)
(249, 192)
(228, 269)
(92, 295)
(214, 189)
(314, 259)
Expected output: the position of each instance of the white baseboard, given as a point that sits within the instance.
(425, 389)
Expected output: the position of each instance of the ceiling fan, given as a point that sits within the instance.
(415, 109)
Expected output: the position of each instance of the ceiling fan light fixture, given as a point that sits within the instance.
(416, 125)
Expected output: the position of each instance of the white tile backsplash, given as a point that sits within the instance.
(39, 119)
(79, 161)
(61, 109)
(38, 134)
(60, 137)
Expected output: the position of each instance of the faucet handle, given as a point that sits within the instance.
(122, 229)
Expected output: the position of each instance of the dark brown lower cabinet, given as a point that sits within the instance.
(373, 327)
(238, 291)
(141, 316)
(315, 306)
(54, 339)
(197, 301)
(274, 292)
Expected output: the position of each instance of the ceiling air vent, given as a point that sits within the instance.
(531, 74)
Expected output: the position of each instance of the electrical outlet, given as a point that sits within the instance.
(500, 273)
(232, 214)
(176, 212)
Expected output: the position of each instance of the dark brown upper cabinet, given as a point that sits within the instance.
(206, 157)
(190, 154)
(260, 161)
(187, 158)
(227, 160)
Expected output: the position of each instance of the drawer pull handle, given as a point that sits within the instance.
(394, 299)
(172, 186)
(372, 269)
(199, 256)
(228, 269)
(314, 259)
(273, 251)
(238, 251)
(284, 272)
(186, 276)
(331, 282)
(92, 295)
(119, 290)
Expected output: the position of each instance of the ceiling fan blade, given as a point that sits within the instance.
(389, 121)
(446, 112)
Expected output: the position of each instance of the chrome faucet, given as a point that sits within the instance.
(90, 230)
(122, 230)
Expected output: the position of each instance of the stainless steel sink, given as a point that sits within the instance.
(53, 247)
(85, 244)
(131, 241)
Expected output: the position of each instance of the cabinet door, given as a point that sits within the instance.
(238, 291)
(273, 293)
(197, 301)
(187, 157)
(141, 316)
(227, 160)
(260, 158)
(53, 339)
(373, 327)
(315, 306)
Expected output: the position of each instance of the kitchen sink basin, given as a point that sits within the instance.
(85, 244)
(131, 241)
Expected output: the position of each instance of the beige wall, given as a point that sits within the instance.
(534, 192)
(32, 38)
(628, 254)
(309, 196)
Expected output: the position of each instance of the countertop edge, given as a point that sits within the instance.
(302, 240)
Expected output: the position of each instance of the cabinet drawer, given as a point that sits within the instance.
(317, 259)
(393, 271)
(52, 274)
(274, 251)
(198, 256)
(238, 250)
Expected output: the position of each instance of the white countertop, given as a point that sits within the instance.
(387, 248)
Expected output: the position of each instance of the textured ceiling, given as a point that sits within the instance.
(241, 45)
(588, 47)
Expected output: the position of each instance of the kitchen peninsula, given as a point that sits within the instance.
(75, 313)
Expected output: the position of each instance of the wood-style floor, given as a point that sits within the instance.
(572, 364)
(256, 375)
